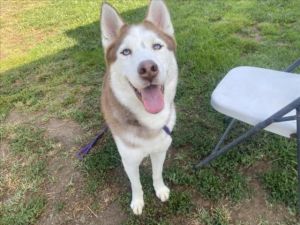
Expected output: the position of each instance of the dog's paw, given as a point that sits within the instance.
(163, 193)
(137, 206)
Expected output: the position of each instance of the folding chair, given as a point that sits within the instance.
(266, 99)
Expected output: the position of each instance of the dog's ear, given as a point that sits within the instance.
(111, 24)
(159, 15)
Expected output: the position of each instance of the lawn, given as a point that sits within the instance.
(51, 72)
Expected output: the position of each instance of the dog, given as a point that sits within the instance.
(138, 92)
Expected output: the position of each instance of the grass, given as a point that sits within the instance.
(22, 175)
(52, 63)
(218, 216)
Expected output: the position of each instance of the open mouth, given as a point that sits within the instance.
(152, 97)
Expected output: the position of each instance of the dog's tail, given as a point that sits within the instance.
(86, 149)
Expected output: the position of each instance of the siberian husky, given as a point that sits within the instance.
(138, 92)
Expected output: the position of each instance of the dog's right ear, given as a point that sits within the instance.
(111, 24)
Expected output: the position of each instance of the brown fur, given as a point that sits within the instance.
(170, 41)
(119, 118)
(111, 52)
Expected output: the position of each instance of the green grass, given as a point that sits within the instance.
(59, 206)
(54, 64)
(159, 213)
(218, 216)
(22, 214)
(25, 172)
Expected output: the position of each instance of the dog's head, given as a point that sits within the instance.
(140, 57)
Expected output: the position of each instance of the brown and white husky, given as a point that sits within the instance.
(138, 92)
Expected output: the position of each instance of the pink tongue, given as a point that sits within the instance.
(153, 99)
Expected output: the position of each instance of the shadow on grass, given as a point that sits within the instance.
(79, 66)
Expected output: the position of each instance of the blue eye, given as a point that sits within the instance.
(126, 52)
(157, 46)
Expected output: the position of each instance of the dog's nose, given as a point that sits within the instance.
(148, 70)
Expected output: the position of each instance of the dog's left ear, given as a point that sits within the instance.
(159, 15)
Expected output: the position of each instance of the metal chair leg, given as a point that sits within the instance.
(293, 66)
(275, 117)
(222, 139)
(298, 153)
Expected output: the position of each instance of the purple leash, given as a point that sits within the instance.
(86, 149)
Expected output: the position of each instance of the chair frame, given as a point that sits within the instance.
(275, 118)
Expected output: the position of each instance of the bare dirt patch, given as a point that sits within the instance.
(10, 9)
(199, 201)
(16, 117)
(77, 207)
(257, 168)
(4, 150)
(114, 213)
(67, 199)
(68, 203)
(252, 33)
(183, 220)
(66, 132)
(257, 208)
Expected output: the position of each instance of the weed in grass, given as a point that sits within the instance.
(59, 206)
(218, 216)
(78, 116)
(92, 185)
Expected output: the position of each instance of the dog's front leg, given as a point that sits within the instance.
(161, 190)
(131, 167)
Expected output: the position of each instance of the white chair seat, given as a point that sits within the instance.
(252, 94)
